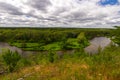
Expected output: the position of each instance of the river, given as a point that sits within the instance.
(95, 43)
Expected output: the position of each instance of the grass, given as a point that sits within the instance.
(52, 46)
(27, 44)
(77, 66)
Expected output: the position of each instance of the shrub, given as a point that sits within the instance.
(66, 45)
(82, 40)
(11, 59)
(51, 57)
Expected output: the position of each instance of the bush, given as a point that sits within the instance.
(11, 59)
(52, 56)
(82, 40)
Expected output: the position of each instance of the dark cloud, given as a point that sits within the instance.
(39, 4)
(8, 8)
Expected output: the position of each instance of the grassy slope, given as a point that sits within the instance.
(103, 66)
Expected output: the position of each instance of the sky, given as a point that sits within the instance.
(60, 13)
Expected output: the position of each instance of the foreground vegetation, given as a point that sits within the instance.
(77, 66)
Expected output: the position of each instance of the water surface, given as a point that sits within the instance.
(97, 43)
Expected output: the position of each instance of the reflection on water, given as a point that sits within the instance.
(98, 42)
(5, 46)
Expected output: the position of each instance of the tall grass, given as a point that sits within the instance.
(77, 66)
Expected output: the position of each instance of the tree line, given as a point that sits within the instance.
(46, 35)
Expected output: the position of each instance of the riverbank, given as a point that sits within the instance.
(78, 66)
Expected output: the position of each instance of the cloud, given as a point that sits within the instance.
(39, 4)
(10, 9)
(62, 13)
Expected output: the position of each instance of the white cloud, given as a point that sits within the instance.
(63, 13)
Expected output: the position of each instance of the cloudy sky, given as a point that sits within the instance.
(60, 13)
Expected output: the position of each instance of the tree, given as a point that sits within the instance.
(66, 44)
(82, 40)
(116, 35)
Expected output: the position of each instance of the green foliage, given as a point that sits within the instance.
(11, 59)
(24, 62)
(23, 45)
(78, 65)
(66, 45)
(116, 40)
(82, 40)
(52, 46)
(116, 35)
(46, 35)
(81, 37)
(51, 57)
